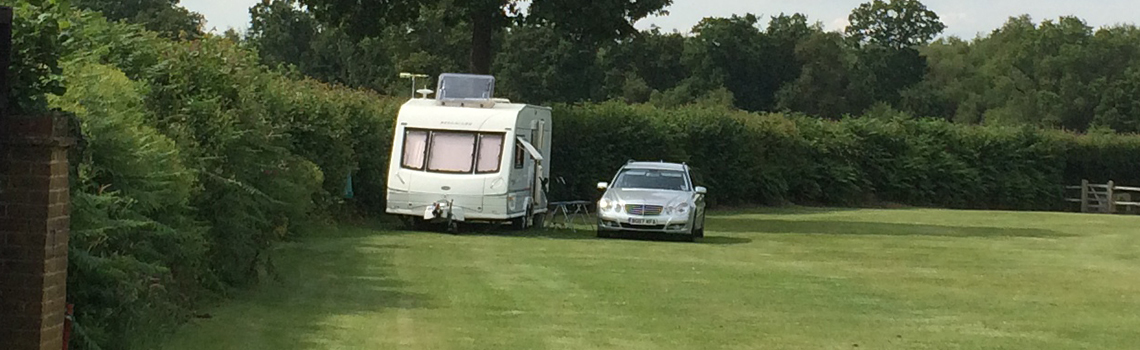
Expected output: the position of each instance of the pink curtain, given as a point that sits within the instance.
(415, 142)
(490, 149)
(452, 152)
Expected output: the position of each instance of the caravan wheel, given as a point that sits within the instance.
(519, 223)
(412, 223)
(539, 221)
(523, 222)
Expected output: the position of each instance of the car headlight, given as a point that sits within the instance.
(606, 204)
(679, 208)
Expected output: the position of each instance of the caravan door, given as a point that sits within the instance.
(525, 175)
(534, 174)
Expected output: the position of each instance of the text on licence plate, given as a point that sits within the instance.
(642, 222)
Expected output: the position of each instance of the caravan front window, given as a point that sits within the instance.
(452, 151)
(415, 148)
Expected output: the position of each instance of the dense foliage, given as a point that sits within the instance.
(586, 22)
(882, 157)
(1057, 73)
(197, 156)
(165, 17)
(38, 32)
(194, 160)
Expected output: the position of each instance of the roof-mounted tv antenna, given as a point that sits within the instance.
(413, 76)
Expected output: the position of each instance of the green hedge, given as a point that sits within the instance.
(746, 158)
(195, 160)
(1102, 157)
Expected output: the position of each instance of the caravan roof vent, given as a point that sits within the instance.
(466, 89)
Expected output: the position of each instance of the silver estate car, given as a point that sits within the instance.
(652, 197)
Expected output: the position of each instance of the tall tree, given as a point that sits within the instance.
(649, 61)
(896, 24)
(822, 88)
(751, 63)
(282, 32)
(166, 17)
(887, 34)
(726, 52)
(589, 21)
(539, 66)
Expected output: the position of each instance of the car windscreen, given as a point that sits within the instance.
(652, 179)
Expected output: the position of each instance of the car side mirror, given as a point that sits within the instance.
(602, 186)
(702, 190)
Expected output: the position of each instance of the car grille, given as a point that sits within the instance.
(644, 210)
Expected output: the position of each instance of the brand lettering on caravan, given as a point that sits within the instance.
(448, 122)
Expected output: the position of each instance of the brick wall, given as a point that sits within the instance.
(34, 223)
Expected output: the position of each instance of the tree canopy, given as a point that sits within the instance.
(590, 21)
(1053, 73)
(895, 24)
(166, 17)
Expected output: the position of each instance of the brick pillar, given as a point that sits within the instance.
(34, 206)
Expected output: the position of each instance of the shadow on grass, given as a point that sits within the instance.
(722, 240)
(775, 210)
(753, 225)
(319, 279)
(591, 234)
(652, 236)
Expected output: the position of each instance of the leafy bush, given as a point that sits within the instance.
(197, 159)
(39, 29)
(1101, 157)
(135, 249)
(886, 156)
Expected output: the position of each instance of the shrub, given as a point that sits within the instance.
(135, 249)
(39, 29)
(747, 158)
(197, 160)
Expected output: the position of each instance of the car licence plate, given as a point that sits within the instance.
(649, 222)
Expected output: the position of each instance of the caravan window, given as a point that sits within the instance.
(490, 153)
(415, 148)
(451, 152)
(520, 156)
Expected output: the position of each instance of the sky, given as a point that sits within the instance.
(963, 18)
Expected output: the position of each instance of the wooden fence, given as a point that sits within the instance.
(1106, 198)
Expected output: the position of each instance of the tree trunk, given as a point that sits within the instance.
(482, 28)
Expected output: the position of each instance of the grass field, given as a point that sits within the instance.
(790, 278)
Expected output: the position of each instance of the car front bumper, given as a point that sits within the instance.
(610, 221)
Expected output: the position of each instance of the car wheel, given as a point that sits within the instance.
(694, 233)
(700, 232)
(603, 233)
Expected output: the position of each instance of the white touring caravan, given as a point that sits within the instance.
(466, 156)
